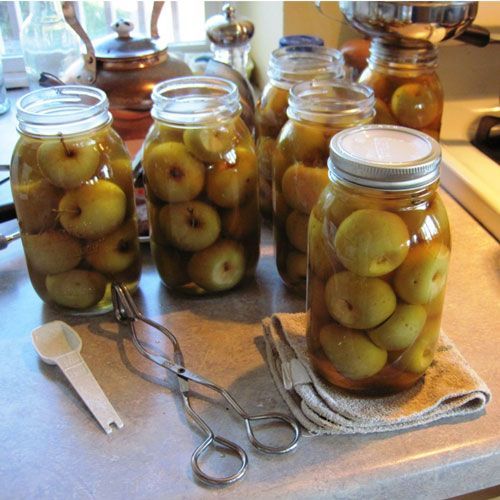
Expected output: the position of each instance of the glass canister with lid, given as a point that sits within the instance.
(72, 186)
(230, 36)
(287, 67)
(317, 110)
(407, 88)
(379, 250)
(201, 186)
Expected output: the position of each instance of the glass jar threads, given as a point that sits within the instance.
(406, 85)
(72, 186)
(287, 66)
(379, 249)
(201, 186)
(317, 110)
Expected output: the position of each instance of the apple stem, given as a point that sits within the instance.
(193, 221)
(66, 211)
(68, 152)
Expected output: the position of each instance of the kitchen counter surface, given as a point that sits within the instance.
(51, 447)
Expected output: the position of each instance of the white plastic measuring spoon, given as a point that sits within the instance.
(58, 344)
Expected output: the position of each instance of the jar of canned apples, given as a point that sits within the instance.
(287, 67)
(407, 88)
(201, 186)
(317, 110)
(379, 250)
(72, 186)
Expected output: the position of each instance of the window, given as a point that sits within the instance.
(182, 24)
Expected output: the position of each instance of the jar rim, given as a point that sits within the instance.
(403, 54)
(62, 109)
(195, 100)
(296, 63)
(388, 157)
(330, 100)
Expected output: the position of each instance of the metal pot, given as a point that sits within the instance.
(426, 21)
(126, 67)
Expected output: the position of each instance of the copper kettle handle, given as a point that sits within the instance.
(319, 8)
(90, 68)
(157, 6)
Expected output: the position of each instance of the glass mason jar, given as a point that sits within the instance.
(379, 249)
(317, 111)
(407, 88)
(72, 186)
(201, 186)
(287, 67)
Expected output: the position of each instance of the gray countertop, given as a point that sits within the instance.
(51, 447)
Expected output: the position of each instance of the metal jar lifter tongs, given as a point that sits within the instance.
(126, 311)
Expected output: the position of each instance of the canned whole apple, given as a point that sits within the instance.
(201, 186)
(72, 185)
(379, 250)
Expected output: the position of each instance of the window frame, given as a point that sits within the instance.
(13, 65)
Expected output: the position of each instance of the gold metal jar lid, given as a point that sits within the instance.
(386, 157)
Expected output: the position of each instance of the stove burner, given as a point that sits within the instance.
(487, 138)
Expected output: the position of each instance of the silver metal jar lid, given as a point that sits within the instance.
(387, 157)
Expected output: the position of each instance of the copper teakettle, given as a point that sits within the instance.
(126, 67)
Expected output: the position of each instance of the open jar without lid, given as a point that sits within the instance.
(407, 88)
(287, 67)
(298, 63)
(72, 186)
(201, 186)
(379, 249)
(317, 110)
(197, 101)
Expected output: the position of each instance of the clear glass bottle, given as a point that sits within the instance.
(4, 100)
(287, 67)
(48, 43)
(72, 186)
(379, 250)
(201, 186)
(406, 85)
(317, 110)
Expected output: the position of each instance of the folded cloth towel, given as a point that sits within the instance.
(450, 388)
